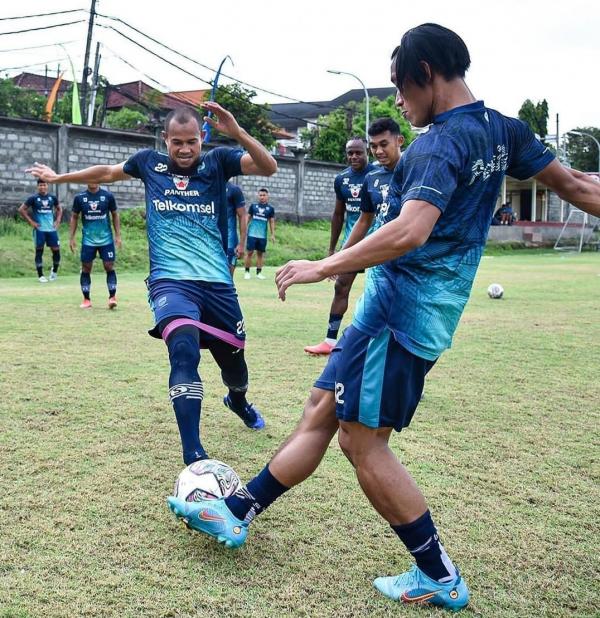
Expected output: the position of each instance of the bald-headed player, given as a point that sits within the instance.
(191, 292)
(347, 186)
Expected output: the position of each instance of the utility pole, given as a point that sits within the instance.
(90, 114)
(86, 67)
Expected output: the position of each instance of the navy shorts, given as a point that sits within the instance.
(107, 253)
(377, 382)
(231, 257)
(215, 304)
(50, 239)
(256, 244)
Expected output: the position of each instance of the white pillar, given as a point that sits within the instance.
(562, 211)
(545, 205)
(533, 199)
(504, 190)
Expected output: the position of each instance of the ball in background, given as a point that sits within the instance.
(495, 290)
(207, 479)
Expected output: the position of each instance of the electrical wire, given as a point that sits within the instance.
(69, 23)
(37, 46)
(42, 14)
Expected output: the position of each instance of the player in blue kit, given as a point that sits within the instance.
(190, 289)
(348, 187)
(260, 216)
(236, 217)
(44, 222)
(97, 237)
(425, 255)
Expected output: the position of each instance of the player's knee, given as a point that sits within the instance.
(109, 266)
(342, 288)
(86, 267)
(345, 442)
(184, 351)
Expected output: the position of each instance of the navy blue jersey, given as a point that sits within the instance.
(347, 186)
(235, 200)
(94, 209)
(186, 216)
(457, 166)
(374, 194)
(260, 213)
(42, 210)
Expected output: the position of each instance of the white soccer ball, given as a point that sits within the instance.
(495, 290)
(207, 479)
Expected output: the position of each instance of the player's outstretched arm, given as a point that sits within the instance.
(572, 186)
(96, 174)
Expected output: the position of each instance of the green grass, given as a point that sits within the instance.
(505, 447)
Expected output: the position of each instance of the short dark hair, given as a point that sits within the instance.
(381, 125)
(442, 49)
(264, 189)
(40, 181)
(181, 115)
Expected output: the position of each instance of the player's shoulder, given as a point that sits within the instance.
(344, 173)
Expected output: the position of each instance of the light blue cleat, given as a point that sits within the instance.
(416, 587)
(212, 517)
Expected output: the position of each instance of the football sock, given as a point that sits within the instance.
(247, 269)
(422, 541)
(258, 271)
(85, 281)
(335, 321)
(55, 261)
(186, 390)
(111, 282)
(39, 265)
(256, 496)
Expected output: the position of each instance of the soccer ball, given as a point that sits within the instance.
(495, 290)
(207, 479)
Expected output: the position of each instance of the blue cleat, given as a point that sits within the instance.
(416, 587)
(251, 416)
(212, 517)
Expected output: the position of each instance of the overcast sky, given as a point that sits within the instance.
(519, 48)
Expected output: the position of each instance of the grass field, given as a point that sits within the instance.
(505, 446)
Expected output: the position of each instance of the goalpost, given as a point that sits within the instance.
(574, 243)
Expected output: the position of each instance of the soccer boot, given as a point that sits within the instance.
(53, 276)
(260, 276)
(416, 587)
(86, 304)
(43, 279)
(321, 349)
(112, 302)
(212, 517)
(251, 415)
(247, 275)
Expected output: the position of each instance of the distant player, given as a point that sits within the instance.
(348, 187)
(259, 216)
(428, 247)
(191, 292)
(97, 238)
(236, 217)
(46, 214)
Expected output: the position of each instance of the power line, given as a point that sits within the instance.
(37, 46)
(42, 14)
(37, 64)
(69, 23)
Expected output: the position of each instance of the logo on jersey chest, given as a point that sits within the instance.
(181, 182)
(93, 205)
(354, 190)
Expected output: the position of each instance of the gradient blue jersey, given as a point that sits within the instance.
(42, 210)
(261, 213)
(95, 222)
(235, 200)
(186, 216)
(458, 166)
(348, 186)
(375, 193)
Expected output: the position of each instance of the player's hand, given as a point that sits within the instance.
(56, 225)
(239, 251)
(224, 122)
(272, 238)
(39, 170)
(118, 242)
(72, 245)
(34, 225)
(298, 271)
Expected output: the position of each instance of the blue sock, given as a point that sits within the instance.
(422, 541)
(39, 264)
(186, 391)
(335, 321)
(111, 283)
(256, 496)
(85, 281)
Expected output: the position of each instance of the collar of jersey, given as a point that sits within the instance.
(477, 106)
(178, 171)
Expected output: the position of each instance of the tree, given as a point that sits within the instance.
(582, 151)
(20, 102)
(327, 142)
(536, 116)
(126, 119)
(250, 116)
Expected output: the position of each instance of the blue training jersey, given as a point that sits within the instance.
(348, 185)
(186, 217)
(96, 230)
(42, 210)
(374, 194)
(260, 213)
(235, 200)
(457, 166)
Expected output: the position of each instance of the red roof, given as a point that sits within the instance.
(40, 83)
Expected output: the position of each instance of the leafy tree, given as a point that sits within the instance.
(328, 141)
(582, 151)
(126, 119)
(250, 116)
(20, 102)
(536, 116)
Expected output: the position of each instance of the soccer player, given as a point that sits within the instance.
(97, 237)
(348, 186)
(45, 222)
(425, 255)
(191, 292)
(259, 215)
(236, 216)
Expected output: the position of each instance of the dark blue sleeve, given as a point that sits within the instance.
(430, 170)
(366, 203)
(112, 203)
(230, 160)
(76, 205)
(252, 209)
(238, 198)
(30, 201)
(55, 200)
(136, 164)
(337, 187)
(527, 156)
(271, 213)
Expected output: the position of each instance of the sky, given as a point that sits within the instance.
(519, 48)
